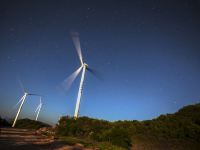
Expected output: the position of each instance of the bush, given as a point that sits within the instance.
(98, 130)
(4, 123)
(119, 137)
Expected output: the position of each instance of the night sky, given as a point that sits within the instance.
(147, 52)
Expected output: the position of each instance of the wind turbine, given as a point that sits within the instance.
(22, 100)
(38, 109)
(83, 67)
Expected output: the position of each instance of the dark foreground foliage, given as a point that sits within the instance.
(98, 130)
(30, 124)
(4, 123)
(179, 127)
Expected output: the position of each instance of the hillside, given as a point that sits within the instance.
(178, 131)
(23, 124)
(30, 124)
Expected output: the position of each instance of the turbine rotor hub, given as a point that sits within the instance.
(85, 65)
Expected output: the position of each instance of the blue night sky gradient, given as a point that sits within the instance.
(148, 53)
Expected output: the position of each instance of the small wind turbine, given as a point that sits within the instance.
(22, 100)
(38, 108)
(72, 77)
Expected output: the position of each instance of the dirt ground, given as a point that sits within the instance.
(23, 139)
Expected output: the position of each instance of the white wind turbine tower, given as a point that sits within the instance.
(38, 108)
(22, 100)
(83, 68)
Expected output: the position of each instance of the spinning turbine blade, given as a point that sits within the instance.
(40, 100)
(38, 111)
(76, 41)
(94, 72)
(18, 101)
(21, 85)
(37, 108)
(68, 81)
(34, 94)
(39, 104)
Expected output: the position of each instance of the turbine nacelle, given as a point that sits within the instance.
(85, 65)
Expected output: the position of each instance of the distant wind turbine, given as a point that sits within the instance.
(22, 100)
(83, 68)
(38, 108)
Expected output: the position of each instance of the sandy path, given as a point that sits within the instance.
(12, 139)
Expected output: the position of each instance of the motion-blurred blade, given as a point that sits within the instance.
(96, 73)
(18, 102)
(34, 94)
(68, 81)
(21, 85)
(40, 100)
(37, 108)
(40, 105)
(76, 41)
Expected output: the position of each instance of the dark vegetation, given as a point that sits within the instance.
(4, 123)
(30, 124)
(23, 124)
(180, 130)
(97, 130)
